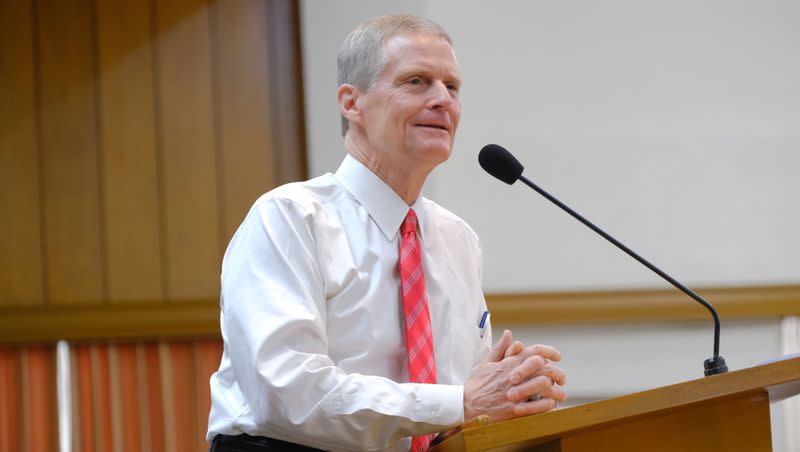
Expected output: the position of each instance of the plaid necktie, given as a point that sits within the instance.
(419, 338)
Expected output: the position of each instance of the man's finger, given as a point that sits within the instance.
(531, 366)
(534, 407)
(529, 388)
(556, 393)
(514, 349)
(545, 351)
(500, 348)
(555, 373)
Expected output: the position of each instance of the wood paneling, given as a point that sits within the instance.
(68, 111)
(287, 100)
(134, 136)
(245, 125)
(740, 423)
(141, 319)
(128, 144)
(20, 216)
(187, 148)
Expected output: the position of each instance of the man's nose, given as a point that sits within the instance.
(441, 96)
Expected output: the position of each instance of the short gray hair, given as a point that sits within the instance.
(361, 57)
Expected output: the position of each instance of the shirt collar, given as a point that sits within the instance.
(385, 206)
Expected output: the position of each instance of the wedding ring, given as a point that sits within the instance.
(535, 397)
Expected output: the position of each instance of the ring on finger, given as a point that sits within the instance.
(535, 397)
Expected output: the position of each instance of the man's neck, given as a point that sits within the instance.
(407, 182)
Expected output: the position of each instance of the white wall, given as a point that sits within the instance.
(673, 125)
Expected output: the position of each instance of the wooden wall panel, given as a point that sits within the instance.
(187, 148)
(128, 145)
(20, 216)
(289, 163)
(134, 136)
(240, 34)
(72, 219)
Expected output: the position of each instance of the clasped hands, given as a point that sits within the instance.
(506, 384)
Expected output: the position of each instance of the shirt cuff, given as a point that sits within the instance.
(440, 405)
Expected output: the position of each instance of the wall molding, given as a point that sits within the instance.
(613, 306)
(200, 318)
(110, 321)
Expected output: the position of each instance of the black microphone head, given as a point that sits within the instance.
(498, 162)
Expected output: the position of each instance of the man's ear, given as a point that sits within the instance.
(347, 96)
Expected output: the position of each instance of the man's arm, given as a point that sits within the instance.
(273, 323)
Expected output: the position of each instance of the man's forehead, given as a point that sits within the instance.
(422, 40)
(410, 52)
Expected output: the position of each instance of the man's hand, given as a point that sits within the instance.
(502, 386)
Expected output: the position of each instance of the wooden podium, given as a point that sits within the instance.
(728, 412)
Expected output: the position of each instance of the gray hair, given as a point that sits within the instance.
(361, 56)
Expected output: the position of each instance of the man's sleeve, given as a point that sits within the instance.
(274, 327)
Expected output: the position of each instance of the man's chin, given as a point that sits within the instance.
(436, 150)
(437, 154)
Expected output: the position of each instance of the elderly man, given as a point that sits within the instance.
(352, 310)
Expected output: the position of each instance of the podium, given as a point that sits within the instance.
(728, 412)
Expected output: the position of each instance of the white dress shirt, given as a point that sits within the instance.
(312, 318)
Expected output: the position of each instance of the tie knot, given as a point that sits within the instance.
(410, 223)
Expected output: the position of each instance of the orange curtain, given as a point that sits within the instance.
(125, 397)
(142, 396)
(28, 416)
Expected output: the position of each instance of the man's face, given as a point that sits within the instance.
(411, 113)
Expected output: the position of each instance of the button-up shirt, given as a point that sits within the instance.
(312, 317)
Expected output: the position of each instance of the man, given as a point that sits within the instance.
(351, 305)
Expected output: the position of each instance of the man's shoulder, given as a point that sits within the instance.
(308, 195)
(445, 219)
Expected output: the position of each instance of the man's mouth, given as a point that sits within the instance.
(435, 126)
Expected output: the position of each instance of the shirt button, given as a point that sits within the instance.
(435, 412)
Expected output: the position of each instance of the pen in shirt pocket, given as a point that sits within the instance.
(484, 321)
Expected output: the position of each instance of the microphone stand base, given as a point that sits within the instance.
(715, 366)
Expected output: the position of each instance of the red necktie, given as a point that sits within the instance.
(419, 338)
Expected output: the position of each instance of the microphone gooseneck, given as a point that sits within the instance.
(498, 162)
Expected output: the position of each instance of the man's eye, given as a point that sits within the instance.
(415, 81)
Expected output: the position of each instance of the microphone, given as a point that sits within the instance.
(498, 162)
